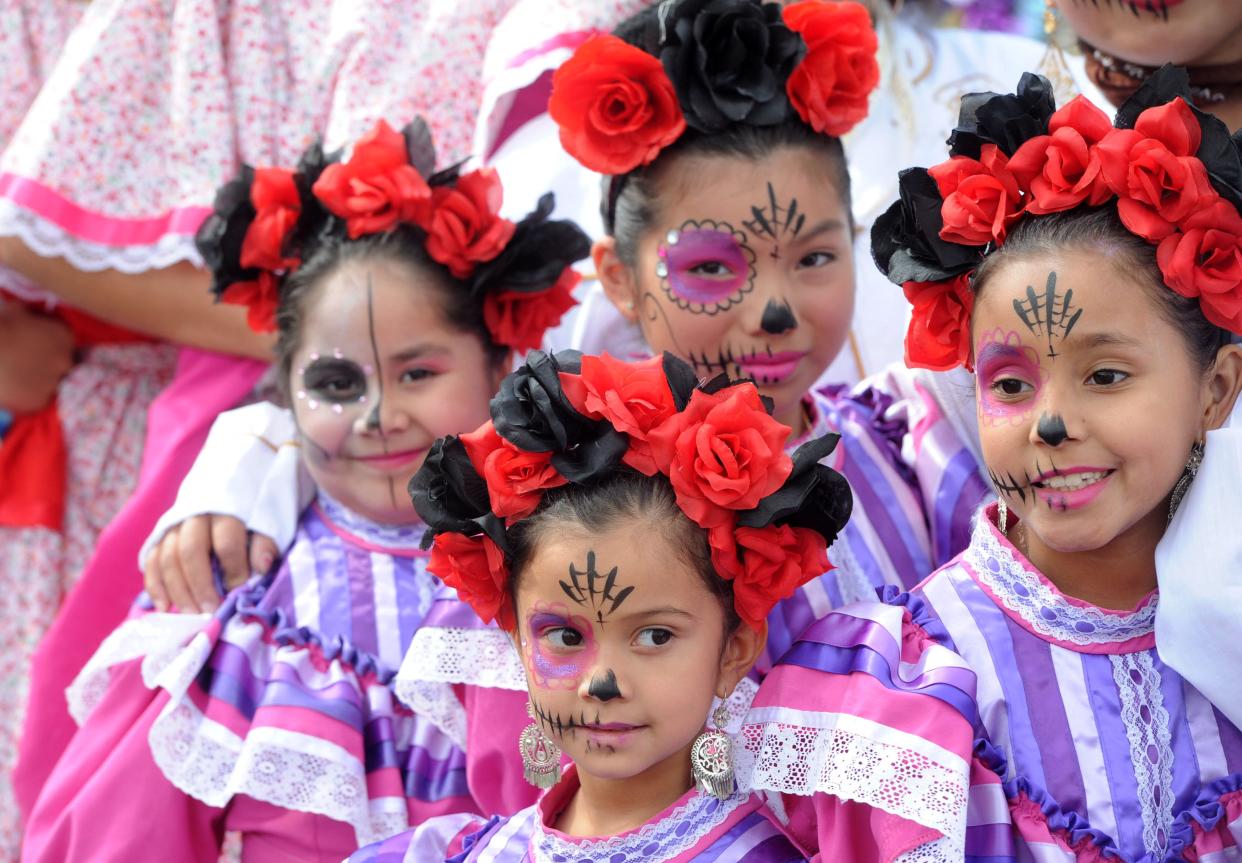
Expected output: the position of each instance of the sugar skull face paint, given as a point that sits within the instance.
(561, 646)
(1009, 376)
(706, 267)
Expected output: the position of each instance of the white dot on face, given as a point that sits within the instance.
(362, 399)
(312, 404)
(336, 409)
(301, 394)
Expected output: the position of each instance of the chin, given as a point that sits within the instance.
(1069, 533)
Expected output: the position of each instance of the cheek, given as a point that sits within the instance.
(325, 430)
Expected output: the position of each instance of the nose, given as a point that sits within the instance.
(778, 317)
(383, 416)
(603, 685)
(1051, 429)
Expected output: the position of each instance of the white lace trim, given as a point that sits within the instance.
(157, 637)
(1147, 729)
(852, 582)
(656, 842)
(937, 851)
(278, 766)
(1044, 609)
(848, 757)
(51, 241)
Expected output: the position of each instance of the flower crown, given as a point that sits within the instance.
(1173, 170)
(268, 221)
(718, 63)
(568, 418)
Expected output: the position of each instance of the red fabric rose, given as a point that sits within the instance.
(1153, 170)
(830, 87)
(1204, 260)
(633, 397)
(518, 319)
(615, 106)
(377, 188)
(475, 568)
(981, 197)
(938, 336)
(260, 297)
(1062, 169)
(774, 562)
(465, 228)
(516, 479)
(723, 452)
(277, 206)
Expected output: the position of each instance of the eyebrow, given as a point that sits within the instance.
(826, 226)
(416, 352)
(1104, 340)
(654, 612)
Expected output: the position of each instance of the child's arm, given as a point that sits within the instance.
(248, 473)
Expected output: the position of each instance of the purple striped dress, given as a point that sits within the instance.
(1039, 727)
(696, 828)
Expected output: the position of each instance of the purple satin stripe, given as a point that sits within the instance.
(453, 614)
(788, 618)
(873, 495)
(224, 680)
(381, 747)
(977, 858)
(878, 572)
(430, 779)
(850, 632)
(1186, 778)
(390, 850)
(1230, 740)
(405, 572)
(280, 594)
(989, 841)
(959, 493)
(774, 849)
(837, 660)
(360, 595)
(1058, 758)
(1106, 705)
(332, 562)
(285, 693)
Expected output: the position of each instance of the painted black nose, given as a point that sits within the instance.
(777, 318)
(1051, 430)
(604, 688)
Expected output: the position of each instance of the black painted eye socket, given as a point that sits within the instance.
(335, 380)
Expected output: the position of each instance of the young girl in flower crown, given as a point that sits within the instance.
(1015, 705)
(398, 294)
(634, 578)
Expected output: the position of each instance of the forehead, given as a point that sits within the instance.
(729, 186)
(393, 302)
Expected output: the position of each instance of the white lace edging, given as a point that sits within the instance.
(937, 851)
(158, 638)
(855, 759)
(652, 843)
(1138, 683)
(1046, 611)
(278, 766)
(49, 240)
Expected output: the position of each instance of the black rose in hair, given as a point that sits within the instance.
(536, 256)
(729, 61)
(1007, 121)
(447, 492)
(905, 239)
(814, 496)
(220, 237)
(682, 379)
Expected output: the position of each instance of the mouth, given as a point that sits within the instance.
(609, 734)
(392, 460)
(1071, 489)
(771, 367)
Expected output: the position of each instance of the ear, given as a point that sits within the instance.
(1221, 386)
(741, 652)
(616, 278)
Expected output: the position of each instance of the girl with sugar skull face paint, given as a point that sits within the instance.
(398, 294)
(1095, 310)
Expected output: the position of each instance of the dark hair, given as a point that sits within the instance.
(402, 245)
(598, 506)
(1100, 228)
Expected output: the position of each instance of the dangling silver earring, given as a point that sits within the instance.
(541, 757)
(1002, 515)
(1188, 476)
(711, 758)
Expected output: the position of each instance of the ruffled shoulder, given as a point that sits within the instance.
(448, 837)
(866, 409)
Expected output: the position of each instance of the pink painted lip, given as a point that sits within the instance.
(1066, 471)
(392, 460)
(611, 735)
(1076, 499)
(774, 367)
(612, 726)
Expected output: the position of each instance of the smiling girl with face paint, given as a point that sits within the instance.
(634, 587)
(398, 294)
(1023, 680)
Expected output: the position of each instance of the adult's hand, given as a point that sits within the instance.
(36, 351)
(177, 572)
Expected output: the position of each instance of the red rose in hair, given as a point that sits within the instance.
(465, 227)
(830, 87)
(377, 188)
(277, 207)
(981, 197)
(1062, 169)
(775, 561)
(260, 297)
(518, 319)
(938, 337)
(723, 452)
(515, 478)
(1204, 260)
(1153, 170)
(633, 397)
(475, 568)
(615, 106)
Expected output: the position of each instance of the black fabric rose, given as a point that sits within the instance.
(447, 492)
(814, 496)
(682, 380)
(535, 257)
(220, 237)
(905, 239)
(314, 222)
(419, 146)
(729, 61)
(531, 411)
(1008, 120)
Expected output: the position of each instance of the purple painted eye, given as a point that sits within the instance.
(703, 265)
